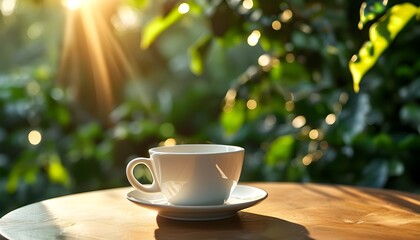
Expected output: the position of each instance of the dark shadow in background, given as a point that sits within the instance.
(241, 226)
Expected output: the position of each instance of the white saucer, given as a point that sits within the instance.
(242, 197)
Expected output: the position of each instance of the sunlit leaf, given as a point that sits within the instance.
(233, 119)
(196, 64)
(13, 180)
(140, 4)
(158, 25)
(22, 170)
(197, 54)
(280, 150)
(369, 10)
(381, 34)
(276, 72)
(56, 171)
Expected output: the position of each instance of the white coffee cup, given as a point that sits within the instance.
(191, 174)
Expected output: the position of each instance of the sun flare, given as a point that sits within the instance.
(73, 4)
(93, 62)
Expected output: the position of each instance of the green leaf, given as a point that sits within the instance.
(409, 142)
(276, 72)
(139, 4)
(13, 180)
(272, 45)
(280, 150)
(381, 34)
(31, 175)
(197, 53)
(63, 115)
(56, 171)
(410, 113)
(157, 26)
(233, 119)
(89, 131)
(383, 141)
(23, 169)
(369, 10)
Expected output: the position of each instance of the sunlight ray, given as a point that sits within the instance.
(93, 63)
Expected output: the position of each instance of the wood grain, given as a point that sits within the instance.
(291, 211)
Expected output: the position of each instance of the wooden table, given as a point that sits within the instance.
(291, 211)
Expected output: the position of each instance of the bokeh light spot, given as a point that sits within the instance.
(330, 119)
(289, 105)
(253, 38)
(33, 88)
(251, 104)
(184, 8)
(247, 4)
(35, 30)
(73, 4)
(306, 160)
(230, 95)
(126, 18)
(34, 137)
(264, 60)
(169, 142)
(276, 25)
(7, 7)
(290, 57)
(313, 134)
(299, 121)
(344, 97)
(286, 15)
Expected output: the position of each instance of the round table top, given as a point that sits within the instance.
(291, 211)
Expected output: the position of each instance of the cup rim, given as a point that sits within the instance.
(182, 149)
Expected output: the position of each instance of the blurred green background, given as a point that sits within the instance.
(87, 85)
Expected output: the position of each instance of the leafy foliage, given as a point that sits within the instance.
(273, 77)
(381, 34)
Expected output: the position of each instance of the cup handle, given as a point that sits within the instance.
(154, 187)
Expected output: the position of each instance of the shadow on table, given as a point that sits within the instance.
(404, 200)
(241, 226)
(409, 202)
